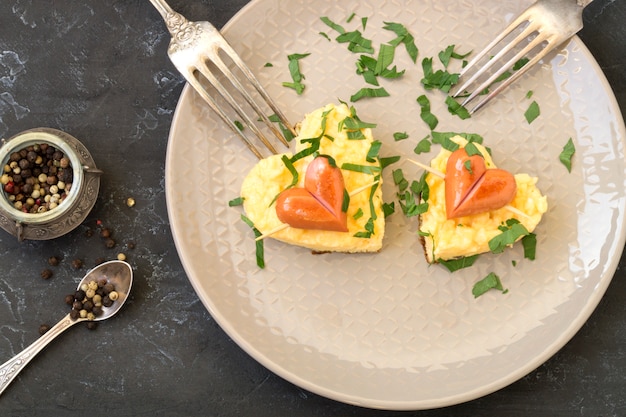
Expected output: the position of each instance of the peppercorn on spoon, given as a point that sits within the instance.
(118, 273)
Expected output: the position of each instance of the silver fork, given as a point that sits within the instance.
(538, 30)
(196, 44)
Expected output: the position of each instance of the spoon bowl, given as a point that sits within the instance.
(119, 273)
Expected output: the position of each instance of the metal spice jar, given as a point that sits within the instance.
(49, 184)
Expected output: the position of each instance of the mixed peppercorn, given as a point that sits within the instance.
(87, 301)
(37, 178)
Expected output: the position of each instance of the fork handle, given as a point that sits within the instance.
(163, 8)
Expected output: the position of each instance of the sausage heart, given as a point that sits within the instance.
(319, 204)
(471, 188)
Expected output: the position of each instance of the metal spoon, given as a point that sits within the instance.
(118, 273)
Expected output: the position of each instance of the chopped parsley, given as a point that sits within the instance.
(490, 282)
(425, 114)
(286, 132)
(532, 112)
(236, 202)
(389, 160)
(422, 146)
(260, 251)
(398, 136)
(453, 265)
(403, 37)
(567, 154)
(529, 243)
(389, 209)
(369, 93)
(456, 109)
(512, 230)
(296, 75)
(410, 195)
(365, 169)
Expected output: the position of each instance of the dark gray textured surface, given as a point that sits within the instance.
(98, 69)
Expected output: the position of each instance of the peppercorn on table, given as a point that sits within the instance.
(99, 71)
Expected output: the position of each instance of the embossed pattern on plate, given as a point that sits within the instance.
(386, 330)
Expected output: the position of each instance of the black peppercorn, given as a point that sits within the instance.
(105, 232)
(43, 329)
(106, 301)
(69, 299)
(77, 264)
(46, 274)
(109, 243)
(53, 261)
(79, 295)
(88, 305)
(92, 325)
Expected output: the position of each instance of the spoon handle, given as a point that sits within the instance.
(12, 367)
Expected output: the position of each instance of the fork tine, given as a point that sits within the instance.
(225, 94)
(538, 40)
(504, 84)
(459, 89)
(199, 88)
(236, 59)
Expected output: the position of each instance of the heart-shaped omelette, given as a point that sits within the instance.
(446, 238)
(471, 188)
(263, 189)
(319, 205)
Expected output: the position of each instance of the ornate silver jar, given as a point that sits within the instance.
(79, 200)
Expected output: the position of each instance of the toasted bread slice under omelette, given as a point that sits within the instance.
(335, 129)
(446, 238)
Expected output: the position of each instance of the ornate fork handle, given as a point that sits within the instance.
(183, 31)
(12, 367)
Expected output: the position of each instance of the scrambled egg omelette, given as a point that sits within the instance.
(446, 239)
(331, 128)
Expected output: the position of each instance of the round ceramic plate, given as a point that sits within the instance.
(386, 330)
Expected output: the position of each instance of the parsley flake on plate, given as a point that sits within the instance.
(491, 281)
(567, 154)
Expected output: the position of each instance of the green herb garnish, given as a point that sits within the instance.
(425, 114)
(372, 154)
(260, 252)
(460, 263)
(236, 202)
(389, 209)
(403, 37)
(286, 132)
(346, 201)
(369, 93)
(397, 136)
(532, 112)
(423, 146)
(511, 232)
(567, 154)
(389, 160)
(296, 74)
(529, 243)
(365, 169)
(471, 149)
(491, 281)
(455, 108)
